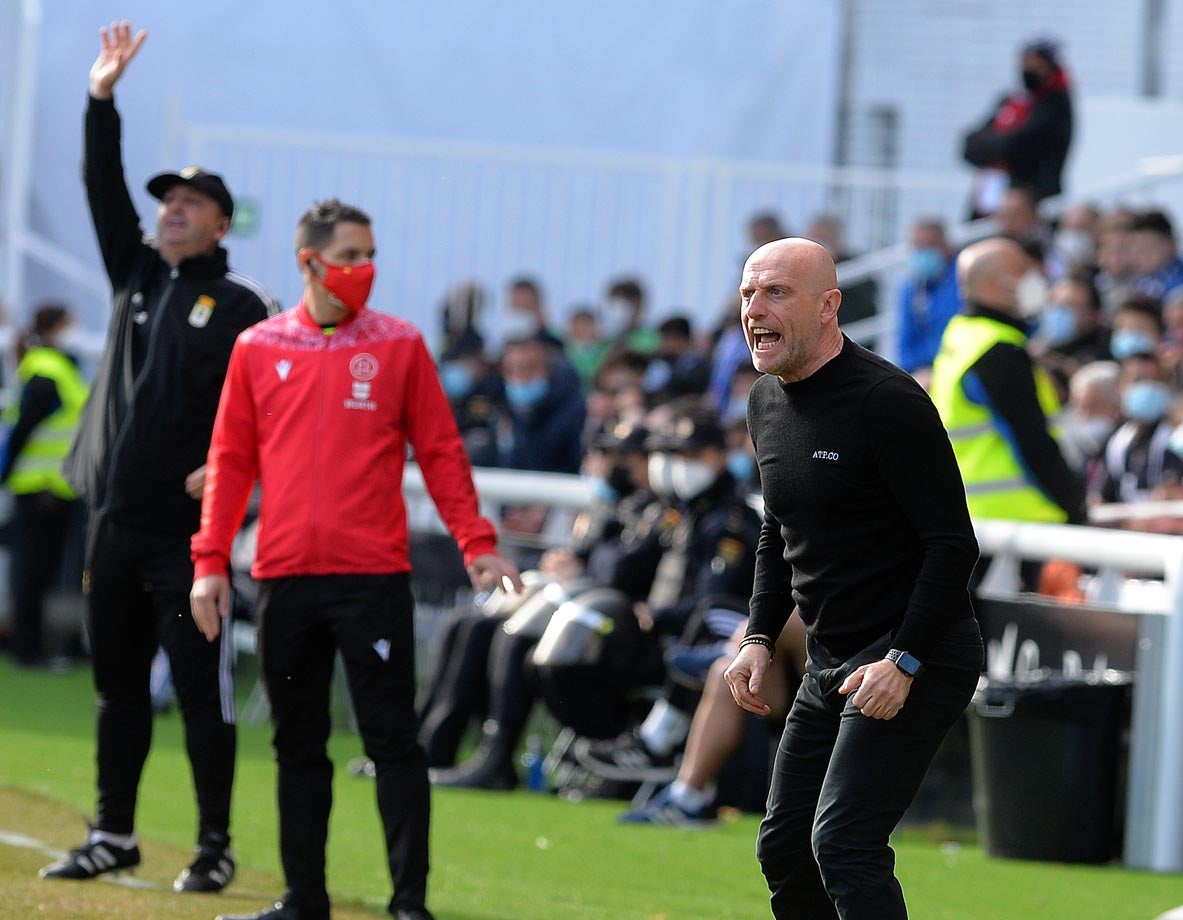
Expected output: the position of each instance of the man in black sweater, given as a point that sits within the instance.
(867, 537)
(138, 461)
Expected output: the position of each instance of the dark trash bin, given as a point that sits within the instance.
(1048, 757)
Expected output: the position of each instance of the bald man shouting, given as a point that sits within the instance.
(867, 537)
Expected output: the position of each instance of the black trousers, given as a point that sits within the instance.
(138, 599)
(303, 622)
(842, 781)
(40, 520)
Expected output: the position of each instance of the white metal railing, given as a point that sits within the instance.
(1154, 820)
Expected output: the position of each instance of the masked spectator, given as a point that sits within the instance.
(1071, 328)
(928, 297)
(545, 410)
(1154, 255)
(584, 345)
(1138, 459)
(472, 391)
(1026, 140)
(525, 314)
(623, 318)
(1137, 328)
(677, 369)
(1092, 414)
(1074, 244)
(1115, 273)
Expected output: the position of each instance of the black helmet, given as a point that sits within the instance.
(588, 659)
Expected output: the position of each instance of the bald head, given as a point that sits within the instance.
(790, 306)
(808, 261)
(988, 272)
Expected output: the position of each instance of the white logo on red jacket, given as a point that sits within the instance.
(283, 368)
(363, 366)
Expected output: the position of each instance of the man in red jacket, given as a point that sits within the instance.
(318, 405)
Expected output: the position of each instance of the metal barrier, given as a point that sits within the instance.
(1154, 822)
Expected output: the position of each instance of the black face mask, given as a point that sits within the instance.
(619, 480)
(1032, 80)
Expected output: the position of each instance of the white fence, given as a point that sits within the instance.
(445, 212)
(1154, 810)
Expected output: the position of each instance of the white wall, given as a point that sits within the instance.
(752, 79)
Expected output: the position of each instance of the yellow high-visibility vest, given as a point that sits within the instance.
(38, 467)
(996, 485)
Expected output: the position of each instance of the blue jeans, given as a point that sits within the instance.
(842, 781)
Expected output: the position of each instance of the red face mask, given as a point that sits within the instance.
(349, 285)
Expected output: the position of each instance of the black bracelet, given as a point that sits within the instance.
(759, 639)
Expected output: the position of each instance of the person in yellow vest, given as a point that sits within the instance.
(998, 405)
(40, 423)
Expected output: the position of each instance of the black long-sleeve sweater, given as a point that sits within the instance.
(866, 529)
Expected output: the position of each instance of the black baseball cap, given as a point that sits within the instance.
(207, 183)
(691, 431)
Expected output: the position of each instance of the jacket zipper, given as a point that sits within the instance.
(161, 308)
(316, 445)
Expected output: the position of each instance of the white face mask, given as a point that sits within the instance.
(517, 325)
(1074, 246)
(617, 315)
(1031, 294)
(661, 480)
(690, 477)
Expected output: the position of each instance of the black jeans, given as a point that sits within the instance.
(40, 521)
(842, 781)
(138, 599)
(303, 622)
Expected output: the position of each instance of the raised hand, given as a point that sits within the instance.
(118, 48)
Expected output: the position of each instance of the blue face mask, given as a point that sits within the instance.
(741, 465)
(601, 491)
(524, 395)
(1146, 401)
(1058, 324)
(926, 264)
(1130, 342)
(457, 379)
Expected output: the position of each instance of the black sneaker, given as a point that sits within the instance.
(211, 871)
(626, 758)
(93, 858)
(276, 911)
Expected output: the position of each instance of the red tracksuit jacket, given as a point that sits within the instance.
(322, 418)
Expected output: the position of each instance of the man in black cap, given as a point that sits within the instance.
(138, 462)
(1025, 141)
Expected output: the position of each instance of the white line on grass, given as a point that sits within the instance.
(25, 842)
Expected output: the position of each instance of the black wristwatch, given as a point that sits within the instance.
(905, 661)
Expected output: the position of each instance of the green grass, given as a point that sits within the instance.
(495, 856)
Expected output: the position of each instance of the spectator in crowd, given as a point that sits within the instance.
(1074, 244)
(619, 393)
(764, 227)
(1072, 330)
(1018, 219)
(1171, 349)
(689, 579)
(460, 315)
(1138, 459)
(545, 409)
(1026, 140)
(716, 731)
(525, 314)
(138, 461)
(677, 369)
(730, 352)
(998, 405)
(1115, 272)
(1154, 255)
(40, 422)
(928, 297)
(359, 386)
(483, 668)
(1137, 328)
(860, 298)
(1092, 414)
(584, 346)
(472, 390)
(623, 318)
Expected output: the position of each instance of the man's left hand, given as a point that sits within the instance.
(490, 570)
(879, 688)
